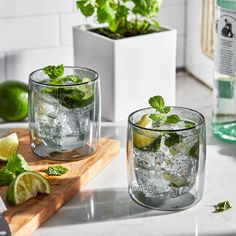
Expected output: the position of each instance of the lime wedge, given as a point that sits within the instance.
(8, 146)
(145, 121)
(86, 79)
(25, 186)
(143, 139)
(87, 89)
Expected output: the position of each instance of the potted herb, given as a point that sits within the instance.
(132, 53)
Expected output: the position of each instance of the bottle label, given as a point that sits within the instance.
(225, 55)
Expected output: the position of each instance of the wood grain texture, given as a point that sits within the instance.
(28, 216)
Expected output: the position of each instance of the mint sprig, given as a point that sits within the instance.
(16, 164)
(223, 206)
(6, 176)
(69, 97)
(54, 72)
(56, 170)
(158, 103)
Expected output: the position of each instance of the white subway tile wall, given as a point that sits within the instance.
(67, 22)
(29, 32)
(19, 64)
(15, 8)
(37, 33)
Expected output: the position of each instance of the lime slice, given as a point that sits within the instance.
(25, 186)
(87, 90)
(8, 146)
(143, 139)
(86, 79)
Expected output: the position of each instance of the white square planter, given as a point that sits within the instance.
(131, 69)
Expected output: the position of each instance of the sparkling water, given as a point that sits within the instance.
(59, 127)
(169, 171)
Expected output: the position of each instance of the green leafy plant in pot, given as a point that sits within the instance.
(130, 50)
(124, 18)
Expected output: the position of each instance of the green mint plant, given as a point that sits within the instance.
(124, 18)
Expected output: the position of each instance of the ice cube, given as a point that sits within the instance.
(46, 105)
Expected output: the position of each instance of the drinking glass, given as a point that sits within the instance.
(166, 165)
(64, 120)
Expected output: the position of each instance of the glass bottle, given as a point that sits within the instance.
(224, 90)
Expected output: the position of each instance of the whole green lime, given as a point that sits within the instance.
(13, 100)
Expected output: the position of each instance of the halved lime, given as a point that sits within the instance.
(8, 146)
(25, 186)
(143, 139)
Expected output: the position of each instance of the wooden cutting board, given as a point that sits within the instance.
(28, 216)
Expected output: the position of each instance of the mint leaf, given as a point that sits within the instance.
(173, 139)
(17, 164)
(155, 117)
(165, 110)
(73, 78)
(175, 181)
(54, 72)
(6, 177)
(157, 102)
(223, 206)
(85, 7)
(154, 147)
(172, 119)
(194, 150)
(156, 24)
(56, 170)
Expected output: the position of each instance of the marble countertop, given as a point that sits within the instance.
(104, 207)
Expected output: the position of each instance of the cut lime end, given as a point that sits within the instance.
(8, 146)
(25, 186)
(145, 121)
(142, 140)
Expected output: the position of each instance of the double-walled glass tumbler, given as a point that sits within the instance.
(166, 165)
(64, 119)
